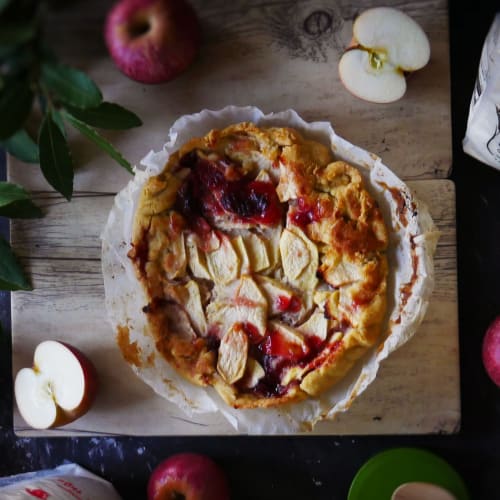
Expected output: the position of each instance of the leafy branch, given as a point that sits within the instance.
(32, 80)
(14, 202)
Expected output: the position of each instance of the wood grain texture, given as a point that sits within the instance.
(273, 55)
(416, 391)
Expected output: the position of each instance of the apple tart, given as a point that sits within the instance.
(263, 262)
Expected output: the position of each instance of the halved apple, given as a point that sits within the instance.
(59, 388)
(387, 43)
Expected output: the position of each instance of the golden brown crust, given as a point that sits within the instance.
(264, 263)
(130, 351)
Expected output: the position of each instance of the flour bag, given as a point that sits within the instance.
(66, 482)
(482, 137)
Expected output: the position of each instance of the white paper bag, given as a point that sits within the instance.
(66, 482)
(482, 137)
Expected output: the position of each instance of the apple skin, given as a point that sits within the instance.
(491, 351)
(62, 416)
(152, 41)
(91, 388)
(190, 476)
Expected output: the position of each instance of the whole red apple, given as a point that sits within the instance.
(491, 351)
(188, 476)
(152, 41)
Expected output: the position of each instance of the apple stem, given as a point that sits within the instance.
(139, 28)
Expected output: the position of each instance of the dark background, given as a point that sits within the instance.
(322, 467)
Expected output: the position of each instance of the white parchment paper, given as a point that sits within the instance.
(412, 245)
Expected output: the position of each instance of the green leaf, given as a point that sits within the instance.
(22, 146)
(107, 115)
(18, 61)
(12, 34)
(23, 209)
(15, 202)
(4, 4)
(70, 85)
(16, 100)
(96, 138)
(11, 274)
(55, 157)
(10, 192)
(6, 52)
(59, 121)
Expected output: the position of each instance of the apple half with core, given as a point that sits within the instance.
(59, 388)
(152, 41)
(188, 476)
(387, 44)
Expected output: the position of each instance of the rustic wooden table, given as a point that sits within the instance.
(248, 58)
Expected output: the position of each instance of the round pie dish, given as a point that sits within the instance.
(263, 267)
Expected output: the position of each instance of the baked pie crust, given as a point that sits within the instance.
(263, 260)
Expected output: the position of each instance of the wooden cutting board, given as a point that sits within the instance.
(416, 391)
(275, 56)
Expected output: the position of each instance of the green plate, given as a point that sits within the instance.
(382, 474)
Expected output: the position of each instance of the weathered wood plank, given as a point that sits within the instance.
(274, 55)
(69, 230)
(417, 390)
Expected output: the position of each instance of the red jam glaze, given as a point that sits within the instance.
(326, 352)
(253, 334)
(305, 212)
(201, 227)
(314, 343)
(275, 355)
(270, 384)
(212, 342)
(288, 304)
(277, 162)
(218, 187)
(275, 344)
(214, 332)
(264, 203)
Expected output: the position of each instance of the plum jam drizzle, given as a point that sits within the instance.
(305, 212)
(275, 354)
(217, 187)
(288, 304)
